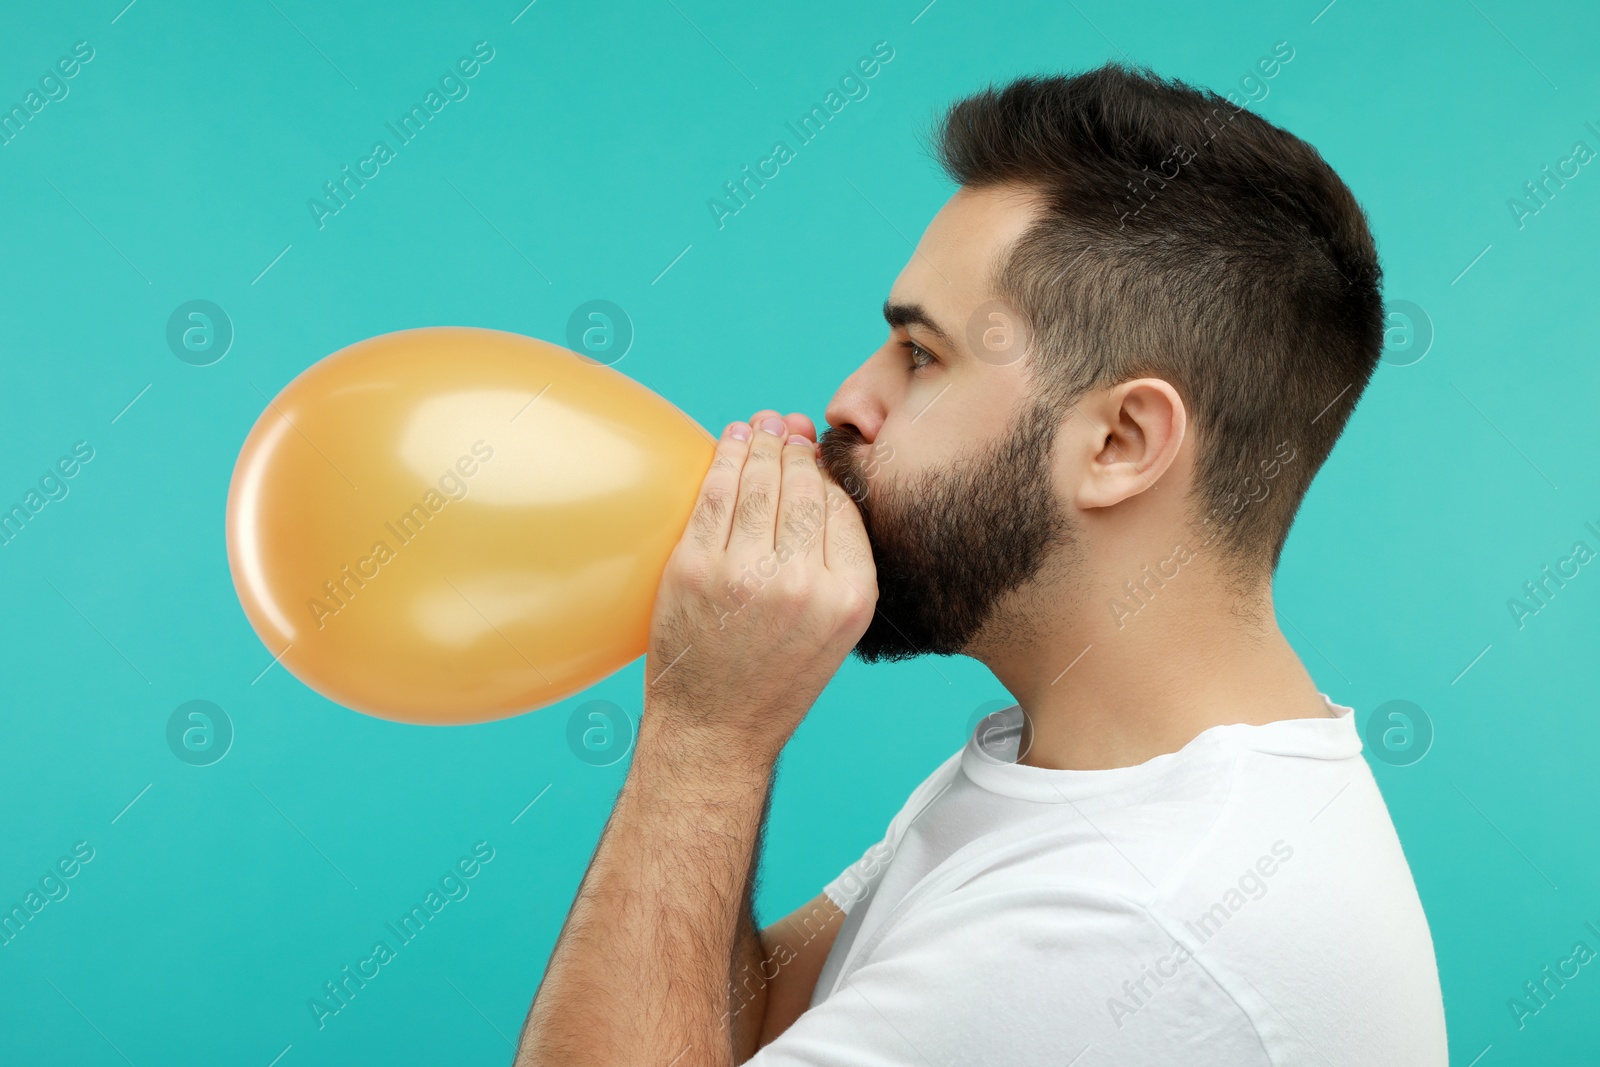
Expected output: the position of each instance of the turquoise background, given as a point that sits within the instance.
(179, 167)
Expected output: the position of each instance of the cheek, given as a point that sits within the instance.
(931, 428)
(876, 456)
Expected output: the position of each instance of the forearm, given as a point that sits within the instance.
(747, 996)
(640, 974)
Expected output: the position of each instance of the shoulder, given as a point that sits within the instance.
(1272, 890)
(1301, 904)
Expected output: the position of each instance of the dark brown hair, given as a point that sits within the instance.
(1189, 240)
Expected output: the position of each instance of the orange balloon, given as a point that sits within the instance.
(452, 525)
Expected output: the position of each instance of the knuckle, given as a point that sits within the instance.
(761, 451)
(714, 502)
(787, 551)
(853, 548)
(690, 571)
(750, 514)
(859, 608)
(804, 520)
(792, 588)
(709, 514)
(791, 602)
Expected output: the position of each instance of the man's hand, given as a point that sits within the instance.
(770, 587)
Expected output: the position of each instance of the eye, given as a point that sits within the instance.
(920, 357)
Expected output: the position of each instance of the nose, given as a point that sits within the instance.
(859, 402)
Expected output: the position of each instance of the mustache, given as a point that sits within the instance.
(838, 447)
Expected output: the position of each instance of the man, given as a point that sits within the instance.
(1115, 361)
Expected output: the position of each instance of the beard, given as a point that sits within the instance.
(954, 540)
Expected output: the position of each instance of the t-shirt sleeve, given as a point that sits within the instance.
(855, 882)
(1023, 976)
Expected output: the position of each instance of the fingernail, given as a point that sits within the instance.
(740, 431)
(774, 425)
(799, 439)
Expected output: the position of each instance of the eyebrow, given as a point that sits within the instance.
(902, 315)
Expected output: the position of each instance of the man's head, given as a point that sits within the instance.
(1141, 322)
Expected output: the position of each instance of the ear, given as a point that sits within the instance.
(1140, 426)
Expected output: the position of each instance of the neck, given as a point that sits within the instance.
(1104, 688)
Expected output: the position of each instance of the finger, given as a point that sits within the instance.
(796, 422)
(755, 513)
(802, 522)
(801, 424)
(713, 510)
(846, 550)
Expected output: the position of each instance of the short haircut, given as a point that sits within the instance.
(1189, 240)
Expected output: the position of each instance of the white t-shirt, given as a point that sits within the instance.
(1243, 901)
